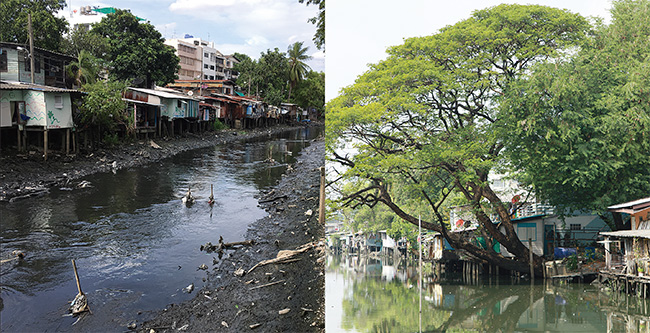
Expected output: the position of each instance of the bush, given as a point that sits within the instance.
(218, 125)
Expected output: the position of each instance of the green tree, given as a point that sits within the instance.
(137, 50)
(48, 29)
(310, 92)
(248, 70)
(81, 39)
(103, 108)
(85, 70)
(580, 128)
(422, 122)
(319, 21)
(273, 69)
(297, 55)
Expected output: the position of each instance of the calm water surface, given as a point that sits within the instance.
(135, 244)
(370, 295)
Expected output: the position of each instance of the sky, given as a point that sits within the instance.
(358, 32)
(245, 26)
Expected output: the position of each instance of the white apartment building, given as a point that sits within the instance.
(200, 60)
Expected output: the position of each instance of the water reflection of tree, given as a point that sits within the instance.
(377, 306)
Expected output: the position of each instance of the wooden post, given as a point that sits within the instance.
(20, 139)
(67, 141)
(45, 143)
(321, 204)
(530, 258)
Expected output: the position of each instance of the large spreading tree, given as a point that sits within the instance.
(423, 122)
(136, 50)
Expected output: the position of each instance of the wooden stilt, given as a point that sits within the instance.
(45, 143)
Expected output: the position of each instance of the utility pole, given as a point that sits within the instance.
(31, 45)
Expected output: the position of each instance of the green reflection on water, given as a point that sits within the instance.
(383, 296)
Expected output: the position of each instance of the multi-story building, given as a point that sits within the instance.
(201, 61)
(190, 52)
(230, 73)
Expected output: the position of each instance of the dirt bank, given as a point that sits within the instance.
(254, 301)
(27, 174)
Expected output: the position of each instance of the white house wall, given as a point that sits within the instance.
(35, 108)
(58, 117)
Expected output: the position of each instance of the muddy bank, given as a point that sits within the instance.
(27, 174)
(276, 297)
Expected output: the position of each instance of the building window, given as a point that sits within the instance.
(527, 231)
(205, 54)
(205, 77)
(205, 66)
(575, 226)
(58, 102)
(212, 67)
(3, 60)
(211, 77)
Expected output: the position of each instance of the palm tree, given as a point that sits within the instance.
(297, 67)
(85, 69)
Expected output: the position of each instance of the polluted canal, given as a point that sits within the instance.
(382, 295)
(136, 245)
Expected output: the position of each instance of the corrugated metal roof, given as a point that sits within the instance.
(632, 204)
(11, 85)
(643, 233)
(159, 93)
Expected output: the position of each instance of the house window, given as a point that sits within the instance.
(212, 67)
(205, 54)
(205, 66)
(205, 77)
(58, 102)
(28, 65)
(575, 226)
(211, 77)
(3, 60)
(526, 231)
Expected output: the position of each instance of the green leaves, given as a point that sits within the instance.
(136, 50)
(579, 127)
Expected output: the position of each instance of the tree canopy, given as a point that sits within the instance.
(48, 29)
(580, 128)
(422, 122)
(136, 50)
(297, 55)
(319, 21)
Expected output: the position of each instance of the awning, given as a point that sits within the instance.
(139, 102)
(643, 233)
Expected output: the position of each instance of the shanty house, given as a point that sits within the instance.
(634, 252)
(27, 108)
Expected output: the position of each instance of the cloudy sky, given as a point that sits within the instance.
(359, 32)
(244, 26)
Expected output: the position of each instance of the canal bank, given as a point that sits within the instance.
(27, 175)
(242, 295)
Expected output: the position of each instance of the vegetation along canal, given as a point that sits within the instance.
(382, 295)
(135, 244)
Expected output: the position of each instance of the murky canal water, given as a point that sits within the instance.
(369, 295)
(136, 245)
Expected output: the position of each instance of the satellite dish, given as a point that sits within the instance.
(190, 93)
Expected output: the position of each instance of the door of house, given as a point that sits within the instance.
(549, 239)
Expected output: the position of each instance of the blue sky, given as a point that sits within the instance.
(358, 32)
(244, 26)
